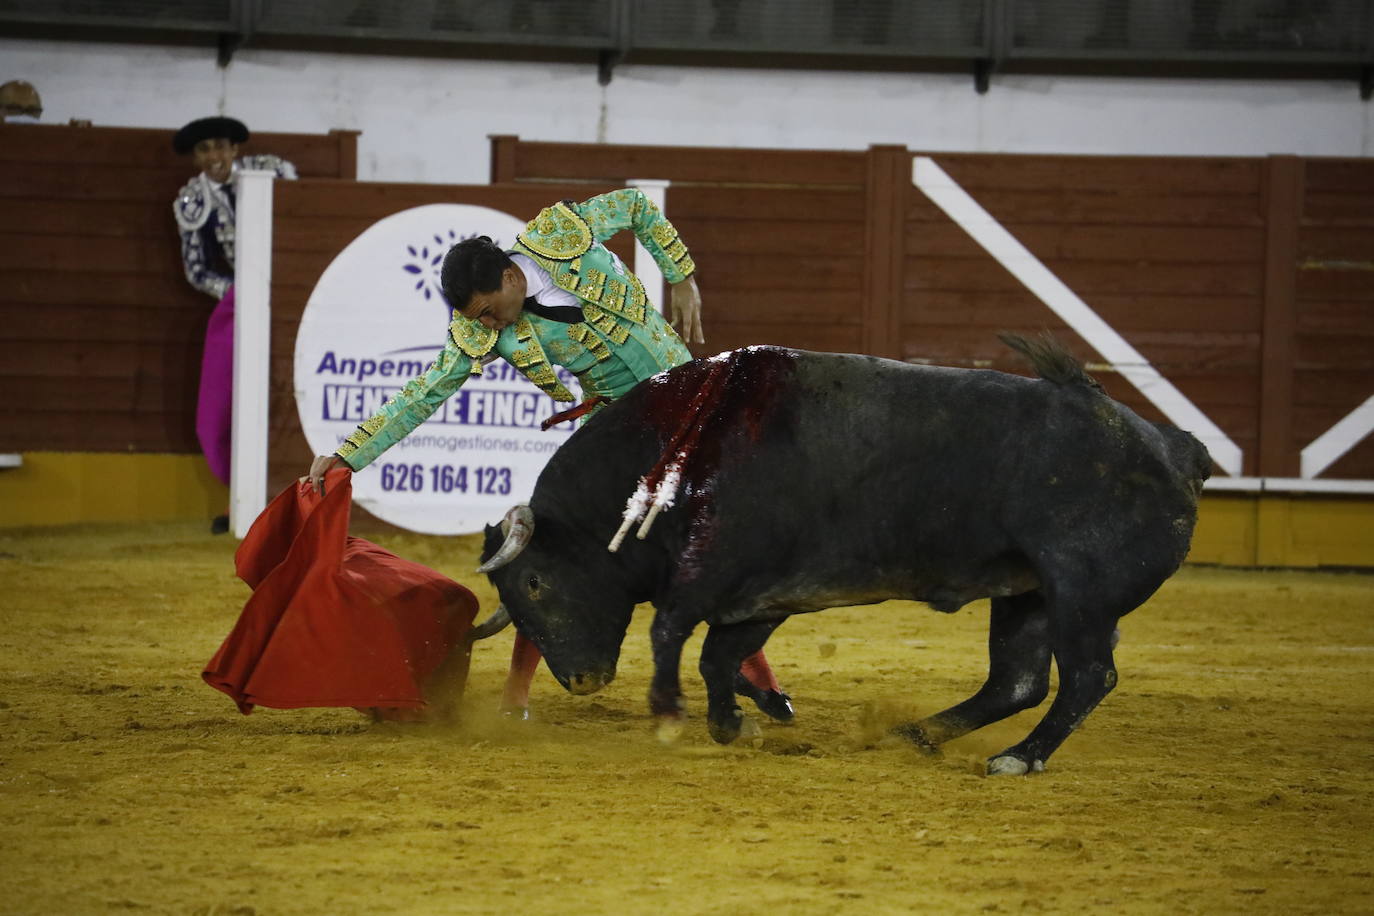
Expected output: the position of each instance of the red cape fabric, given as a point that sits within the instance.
(336, 620)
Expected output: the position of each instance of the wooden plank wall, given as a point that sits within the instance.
(1248, 282)
(1170, 253)
(779, 236)
(1333, 323)
(102, 333)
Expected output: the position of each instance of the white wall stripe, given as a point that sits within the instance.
(1323, 451)
(936, 184)
(252, 348)
(1288, 485)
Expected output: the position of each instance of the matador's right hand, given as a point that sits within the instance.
(322, 465)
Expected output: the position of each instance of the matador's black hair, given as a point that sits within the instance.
(472, 266)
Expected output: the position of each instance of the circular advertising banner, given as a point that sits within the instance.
(377, 319)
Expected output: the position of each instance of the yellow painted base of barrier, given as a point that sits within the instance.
(1234, 529)
(64, 488)
(1284, 529)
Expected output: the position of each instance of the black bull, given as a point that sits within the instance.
(823, 480)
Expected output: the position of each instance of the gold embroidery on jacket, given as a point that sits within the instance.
(472, 337)
(637, 300)
(592, 285)
(558, 232)
(594, 344)
(365, 431)
(533, 362)
(663, 232)
(615, 291)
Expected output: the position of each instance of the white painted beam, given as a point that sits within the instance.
(1326, 449)
(252, 344)
(1289, 485)
(936, 184)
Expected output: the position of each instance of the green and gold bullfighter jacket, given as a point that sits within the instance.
(621, 341)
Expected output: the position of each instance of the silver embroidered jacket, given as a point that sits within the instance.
(205, 216)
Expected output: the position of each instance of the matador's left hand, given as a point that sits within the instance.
(684, 300)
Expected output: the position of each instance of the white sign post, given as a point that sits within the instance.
(377, 319)
(252, 349)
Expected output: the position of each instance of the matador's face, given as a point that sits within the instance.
(501, 306)
(215, 157)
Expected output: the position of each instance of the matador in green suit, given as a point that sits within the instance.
(557, 297)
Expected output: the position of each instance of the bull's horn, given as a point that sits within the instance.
(518, 526)
(498, 621)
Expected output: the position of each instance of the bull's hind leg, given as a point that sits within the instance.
(1082, 642)
(721, 653)
(1018, 674)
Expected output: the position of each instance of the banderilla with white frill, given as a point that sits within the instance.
(657, 489)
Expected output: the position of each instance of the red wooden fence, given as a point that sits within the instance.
(1247, 282)
(100, 348)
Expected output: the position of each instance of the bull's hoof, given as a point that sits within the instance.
(726, 729)
(912, 732)
(1007, 765)
(749, 731)
(774, 704)
(669, 729)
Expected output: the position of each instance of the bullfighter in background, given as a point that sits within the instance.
(204, 210)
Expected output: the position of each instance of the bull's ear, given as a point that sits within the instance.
(492, 538)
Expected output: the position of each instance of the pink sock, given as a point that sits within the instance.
(756, 671)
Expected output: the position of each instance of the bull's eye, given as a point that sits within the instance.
(533, 584)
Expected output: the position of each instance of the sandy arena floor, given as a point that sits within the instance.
(1229, 772)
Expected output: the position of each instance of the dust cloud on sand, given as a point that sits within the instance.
(1229, 771)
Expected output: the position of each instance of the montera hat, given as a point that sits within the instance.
(208, 129)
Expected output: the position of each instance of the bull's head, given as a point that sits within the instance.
(562, 593)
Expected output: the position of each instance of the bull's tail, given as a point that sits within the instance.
(1051, 359)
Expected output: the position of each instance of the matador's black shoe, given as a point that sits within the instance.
(219, 524)
(772, 703)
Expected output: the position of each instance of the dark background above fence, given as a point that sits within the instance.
(1317, 38)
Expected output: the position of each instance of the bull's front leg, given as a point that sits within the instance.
(665, 690)
(721, 653)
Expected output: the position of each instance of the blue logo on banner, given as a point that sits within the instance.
(426, 260)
